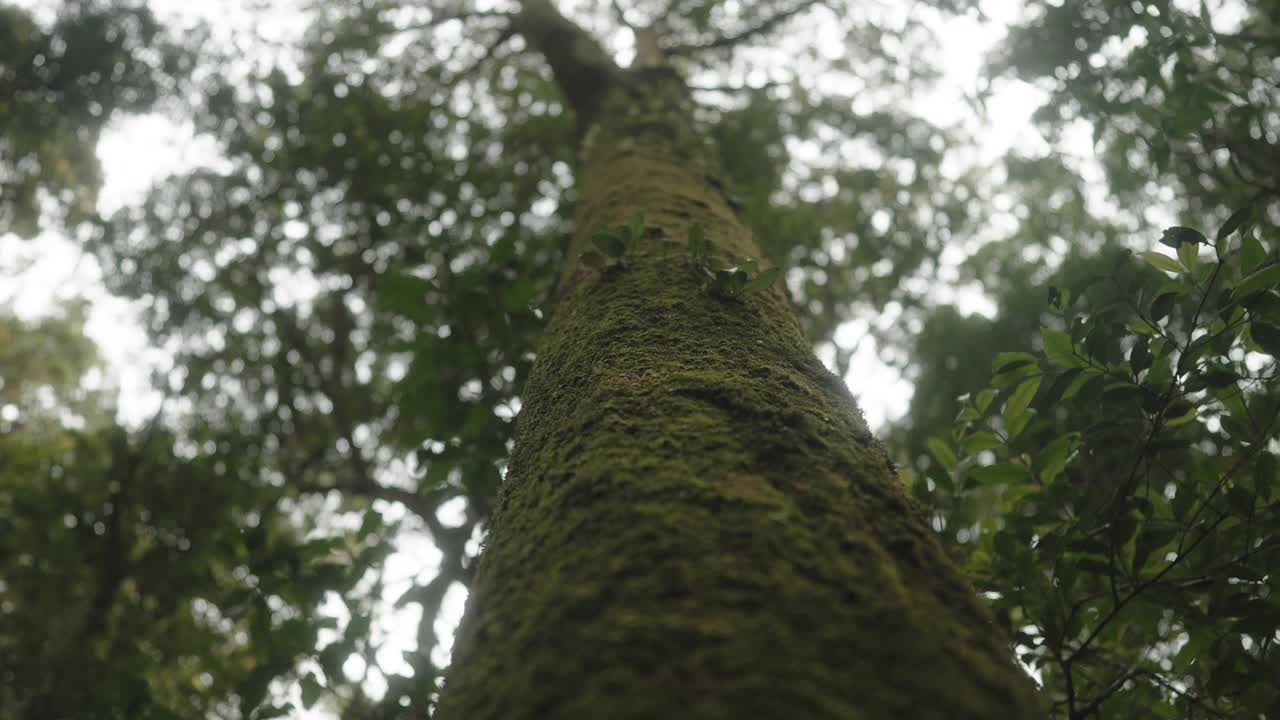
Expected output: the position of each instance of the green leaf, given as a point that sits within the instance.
(406, 295)
(1252, 254)
(1264, 279)
(983, 399)
(1189, 254)
(518, 295)
(699, 246)
(1263, 306)
(1052, 460)
(729, 281)
(1059, 348)
(1236, 428)
(1177, 236)
(764, 280)
(1161, 306)
(1220, 377)
(982, 440)
(1150, 540)
(1021, 398)
(635, 228)
(311, 690)
(609, 244)
(1079, 382)
(593, 259)
(1016, 425)
(1000, 473)
(943, 452)
(1140, 354)
(1264, 474)
(1180, 413)
(1163, 262)
(1237, 219)
(1007, 361)
(1267, 336)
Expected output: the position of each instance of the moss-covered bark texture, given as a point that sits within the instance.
(696, 522)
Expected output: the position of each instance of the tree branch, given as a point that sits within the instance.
(765, 26)
(582, 68)
(1106, 694)
(443, 18)
(506, 34)
(621, 15)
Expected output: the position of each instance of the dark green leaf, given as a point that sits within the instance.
(1021, 398)
(1059, 348)
(1220, 377)
(699, 246)
(1264, 474)
(1140, 355)
(1233, 223)
(1264, 279)
(1161, 305)
(1054, 458)
(943, 452)
(1007, 361)
(518, 295)
(1267, 336)
(311, 690)
(983, 399)
(1178, 236)
(609, 244)
(999, 474)
(982, 440)
(1060, 385)
(762, 281)
(1252, 254)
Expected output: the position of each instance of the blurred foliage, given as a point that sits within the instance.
(59, 87)
(160, 570)
(352, 297)
(1182, 93)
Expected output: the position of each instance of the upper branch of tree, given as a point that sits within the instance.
(621, 15)
(762, 28)
(443, 18)
(582, 68)
(727, 88)
(489, 53)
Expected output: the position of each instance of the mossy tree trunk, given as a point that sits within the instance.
(696, 522)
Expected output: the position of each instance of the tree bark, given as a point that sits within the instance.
(696, 522)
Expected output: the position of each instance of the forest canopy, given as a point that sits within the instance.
(351, 289)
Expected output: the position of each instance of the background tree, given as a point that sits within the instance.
(59, 84)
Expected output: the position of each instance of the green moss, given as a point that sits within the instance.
(696, 522)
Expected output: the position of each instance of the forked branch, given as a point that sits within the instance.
(762, 28)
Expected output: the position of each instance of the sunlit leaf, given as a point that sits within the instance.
(1163, 262)
(1021, 398)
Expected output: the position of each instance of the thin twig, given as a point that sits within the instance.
(762, 28)
(621, 15)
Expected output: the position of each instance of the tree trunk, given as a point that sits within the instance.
(696, 522)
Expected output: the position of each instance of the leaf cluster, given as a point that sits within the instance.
(742, 278)
(1130, 469)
